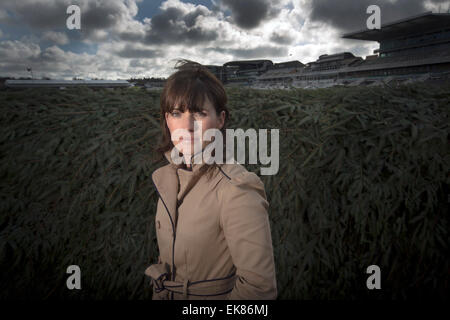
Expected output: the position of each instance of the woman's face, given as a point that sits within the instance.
(208, 119)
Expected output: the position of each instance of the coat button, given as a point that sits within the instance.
(158, 224)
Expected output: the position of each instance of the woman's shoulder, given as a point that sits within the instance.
(241, 192)
(235, 175)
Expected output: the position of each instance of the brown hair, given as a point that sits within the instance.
(187, 89)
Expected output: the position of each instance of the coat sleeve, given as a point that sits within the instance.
(245, 222)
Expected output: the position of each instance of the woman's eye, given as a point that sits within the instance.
(175, 113)
(201, 114)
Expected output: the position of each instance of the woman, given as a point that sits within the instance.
(211, 221)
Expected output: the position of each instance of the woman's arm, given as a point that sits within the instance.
(245, 223)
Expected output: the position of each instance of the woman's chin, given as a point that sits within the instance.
(187, 148)
(185, 151)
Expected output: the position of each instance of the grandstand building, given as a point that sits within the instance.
(216, 70)
(281, 73)
(244, 72)
(416, 48)
(324, 70)
(409, 48)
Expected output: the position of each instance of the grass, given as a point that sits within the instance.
(363, 180)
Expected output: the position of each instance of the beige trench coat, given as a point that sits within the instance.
(213, 236)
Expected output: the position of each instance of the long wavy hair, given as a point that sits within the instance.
(187, 89)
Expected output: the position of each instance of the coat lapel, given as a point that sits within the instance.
(166, 183)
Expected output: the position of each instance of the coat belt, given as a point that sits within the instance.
(159, 273)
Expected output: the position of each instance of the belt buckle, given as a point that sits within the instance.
(158, 273)
(159, 282)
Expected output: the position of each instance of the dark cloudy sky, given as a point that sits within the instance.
(120, 39)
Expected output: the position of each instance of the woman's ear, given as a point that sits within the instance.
(221, 119)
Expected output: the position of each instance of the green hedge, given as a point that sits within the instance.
(363, 179)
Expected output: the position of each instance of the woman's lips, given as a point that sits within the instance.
(188, 140)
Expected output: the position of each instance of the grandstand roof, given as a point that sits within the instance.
(335, 57)
(288, 64)
(244, 62)
(398, 64)
(412, 25)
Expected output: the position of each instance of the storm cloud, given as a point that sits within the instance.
(249, 14)
(174, 26)
(36, 14)
(130, 52)
(51, 14)
(350, 15)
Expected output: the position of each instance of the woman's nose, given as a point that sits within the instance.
(189, 121)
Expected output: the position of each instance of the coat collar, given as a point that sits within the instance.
(170, 178)
(197, 160)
